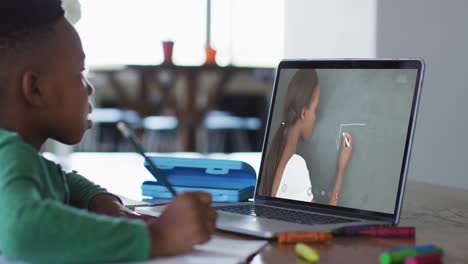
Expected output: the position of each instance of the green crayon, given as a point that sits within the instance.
(399, 256)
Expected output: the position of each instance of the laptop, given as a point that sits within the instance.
(336, 148)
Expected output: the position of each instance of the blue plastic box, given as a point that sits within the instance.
(225, 180)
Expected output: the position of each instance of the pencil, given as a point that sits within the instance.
(159, 175)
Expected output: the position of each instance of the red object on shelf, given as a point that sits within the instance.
(168, 47)
(210, 55)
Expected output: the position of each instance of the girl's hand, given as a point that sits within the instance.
(346, 150)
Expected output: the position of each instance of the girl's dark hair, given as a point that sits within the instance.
(298, 96)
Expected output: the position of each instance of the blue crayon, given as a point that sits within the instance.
(428, 247)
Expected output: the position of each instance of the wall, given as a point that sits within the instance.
(332, 28)
(431, 29)
(435, 31)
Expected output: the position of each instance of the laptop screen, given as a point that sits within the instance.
(339, 133)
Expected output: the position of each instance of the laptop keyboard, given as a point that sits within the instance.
(283, 214)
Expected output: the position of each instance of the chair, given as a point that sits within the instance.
(236, 125)
(160, 133)
(104, 135)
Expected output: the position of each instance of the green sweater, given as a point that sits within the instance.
(43, 216)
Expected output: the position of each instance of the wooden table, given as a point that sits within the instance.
(440, 214)
(189, 115)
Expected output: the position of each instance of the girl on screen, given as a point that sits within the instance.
(285, 174)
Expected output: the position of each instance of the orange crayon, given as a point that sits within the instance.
(305, 237)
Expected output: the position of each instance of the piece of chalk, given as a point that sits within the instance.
(346, 140)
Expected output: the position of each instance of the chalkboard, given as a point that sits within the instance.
(374, 106)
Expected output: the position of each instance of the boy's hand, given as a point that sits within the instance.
(106, 204)
(188, 220)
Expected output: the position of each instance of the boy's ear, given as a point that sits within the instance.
(32, 92)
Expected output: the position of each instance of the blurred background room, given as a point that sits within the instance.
(196, 76)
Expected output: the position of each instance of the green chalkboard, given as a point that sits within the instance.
(374, 106)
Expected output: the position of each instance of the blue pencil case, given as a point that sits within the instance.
(225, 180)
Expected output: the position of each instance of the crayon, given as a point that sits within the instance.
(306, 252)
(351, 230)
(306, 237)
(389, 231)
(395, 257)
(429, 258)
(427, 247)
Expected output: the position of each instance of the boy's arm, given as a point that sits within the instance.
(85, 194)
(44, 231)
(82, 191)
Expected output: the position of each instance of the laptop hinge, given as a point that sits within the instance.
(318, 209)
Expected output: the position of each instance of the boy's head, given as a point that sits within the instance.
(43, 93)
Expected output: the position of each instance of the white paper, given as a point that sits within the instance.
(217, 250)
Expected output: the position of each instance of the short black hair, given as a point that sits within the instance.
(22, 22)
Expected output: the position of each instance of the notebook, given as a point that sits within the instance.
(336, 148)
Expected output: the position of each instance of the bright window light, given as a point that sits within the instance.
(120, 32)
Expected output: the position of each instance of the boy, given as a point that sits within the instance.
(47, 215)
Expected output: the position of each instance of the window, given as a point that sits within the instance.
(244, 33)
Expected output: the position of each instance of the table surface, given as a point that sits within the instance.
(440, 214)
